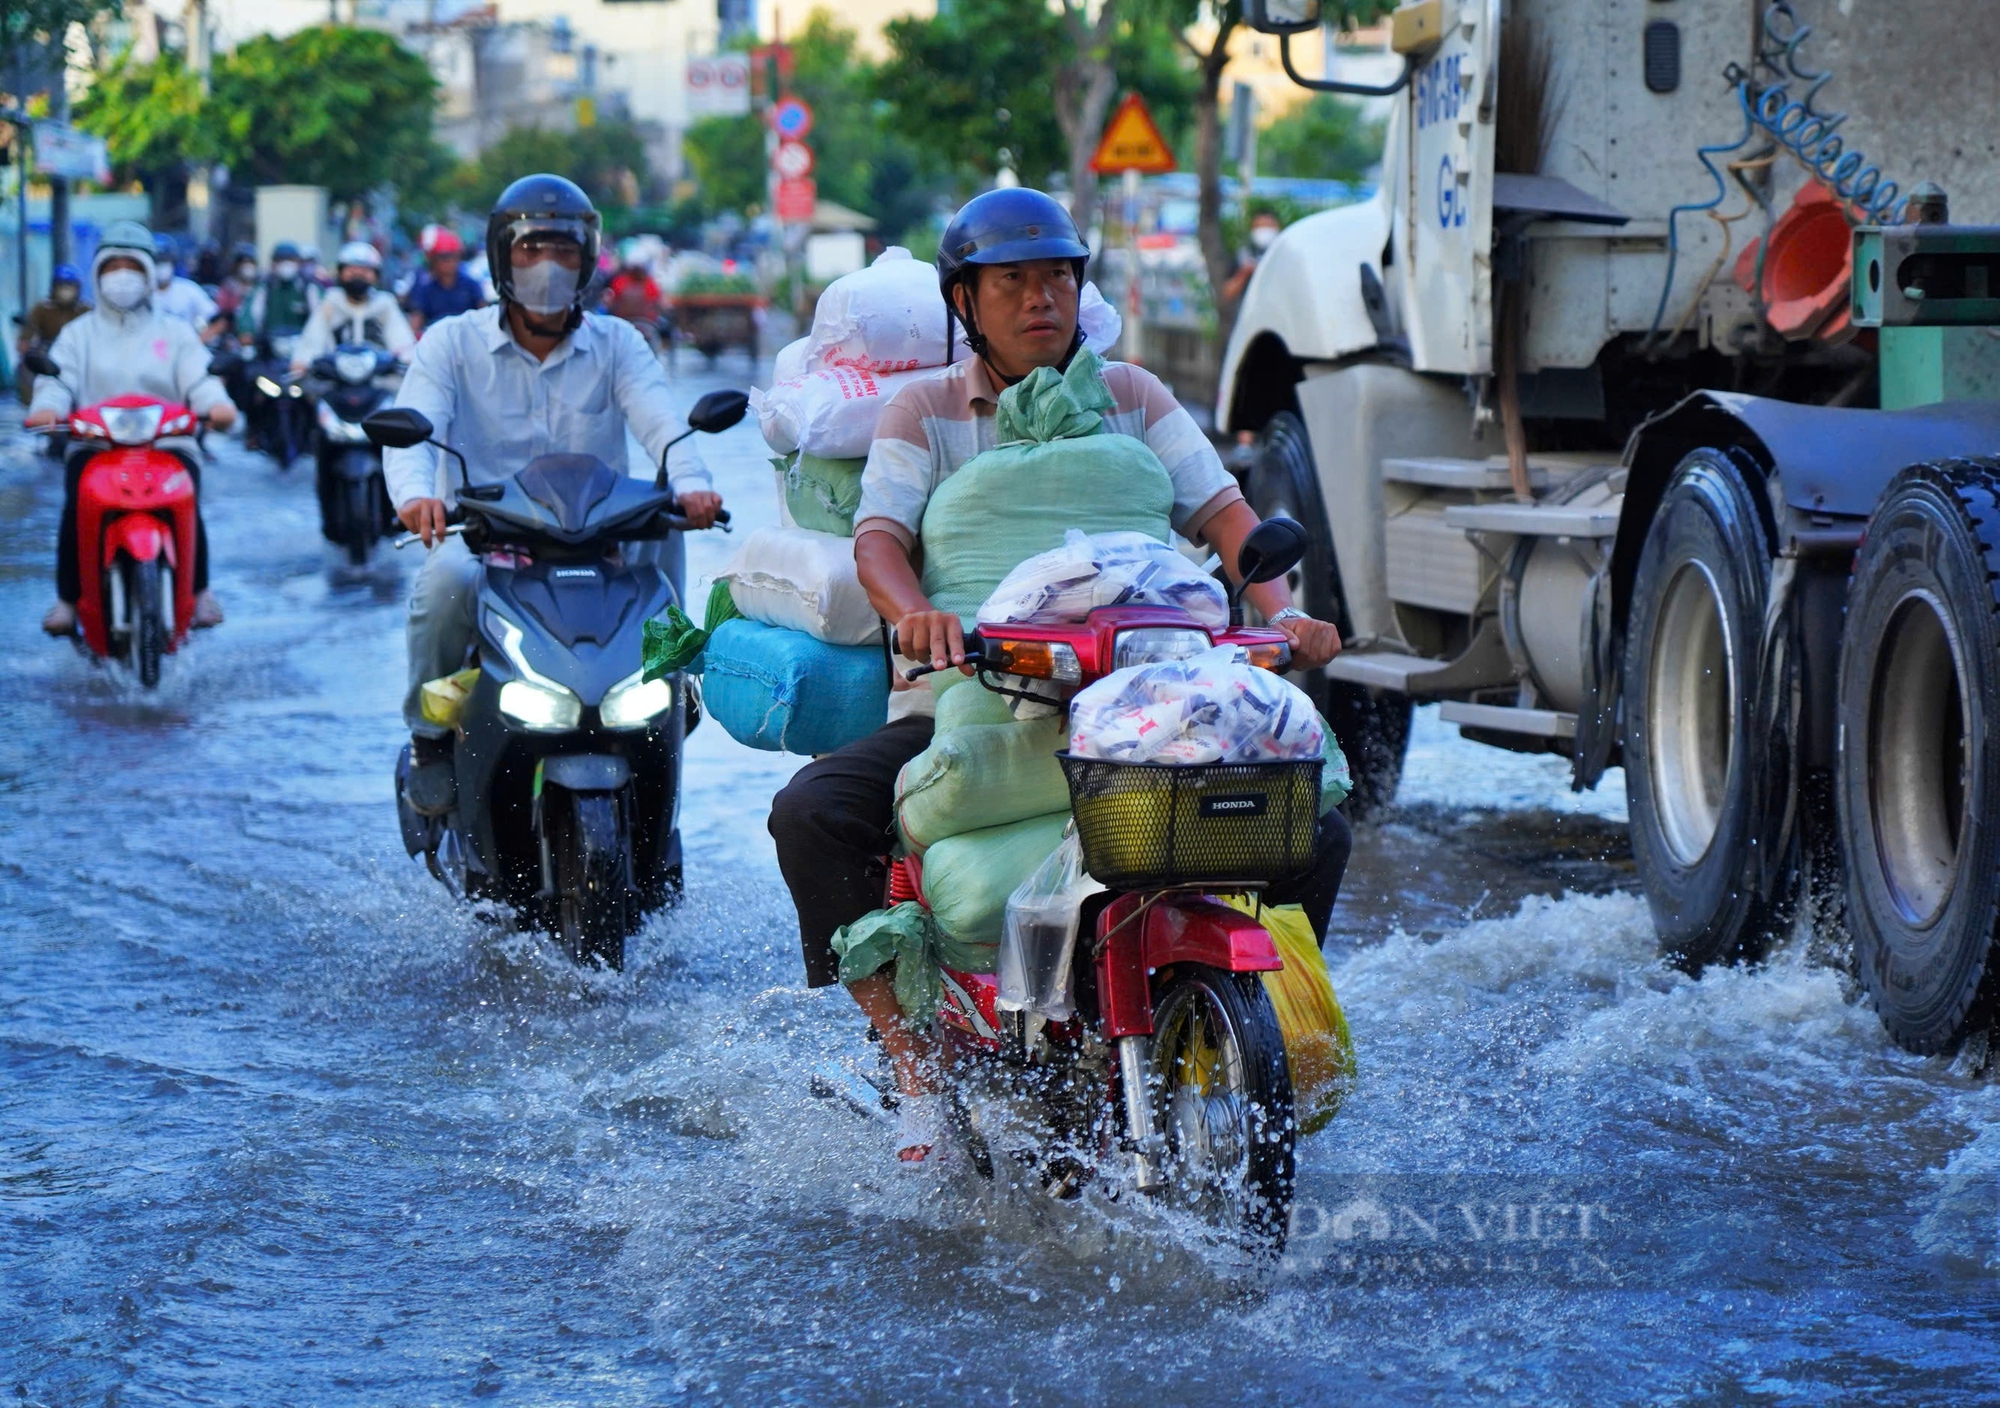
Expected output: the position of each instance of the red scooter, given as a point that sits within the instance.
(135, 523)
(1173, 1051)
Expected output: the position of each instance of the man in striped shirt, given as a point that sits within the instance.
(1011, 266)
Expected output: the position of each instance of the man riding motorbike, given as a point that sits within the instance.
(359, 312)
(442, 290)
(283, 302)
(1010, 265)
(528, 376)
(177, 297)
(46, 320)
(122, 347)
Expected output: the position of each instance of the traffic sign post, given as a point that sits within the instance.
(1132, 146)
(791, 119)
(795, 200)
(793, 161)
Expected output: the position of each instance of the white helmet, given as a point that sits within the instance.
(359, 253)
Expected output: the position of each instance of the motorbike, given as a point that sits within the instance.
(354, 509)
(275, 401)
(135, 524)
(567, 761)
(1172, 1051)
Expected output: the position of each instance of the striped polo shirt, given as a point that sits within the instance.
(934, 426)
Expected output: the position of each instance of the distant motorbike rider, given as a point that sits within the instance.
(1010, 265)
(124, 346)
(177, 297)
(233, 294)
(46, 320)
(358, 311)
(284, 300)
(443, 290)
(529, 376)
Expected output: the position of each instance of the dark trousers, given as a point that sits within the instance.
(835, 821)
(69, 571)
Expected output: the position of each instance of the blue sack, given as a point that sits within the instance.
(785, 692)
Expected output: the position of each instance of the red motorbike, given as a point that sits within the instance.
(135, 523)
(1172, 1051)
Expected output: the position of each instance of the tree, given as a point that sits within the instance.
(976, 78)
(1323, 138)
(30, 29)
(348, 109)
(1084, 83)
(149, 115)
(606, 159)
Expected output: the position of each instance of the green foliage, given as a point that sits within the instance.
(348, 109)
(698, 283)
(975, 78)
(726, 155)
(35, 23)
(149, 115)
(1324, 137)
(605, 159)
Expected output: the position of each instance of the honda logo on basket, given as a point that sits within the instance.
(1242, 804)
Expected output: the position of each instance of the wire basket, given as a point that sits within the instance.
(1149, 826)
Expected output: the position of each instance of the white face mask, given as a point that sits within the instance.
(164, 275)
(1261, 236)
(122, 288)
(545, 287)
(285, 269)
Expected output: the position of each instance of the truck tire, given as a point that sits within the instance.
(1692, 751)
(1919, 769)
(1373, 725)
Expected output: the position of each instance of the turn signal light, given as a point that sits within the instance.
(1273, 655)
(1034, 659)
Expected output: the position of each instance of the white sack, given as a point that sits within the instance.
(1215, 707)
(1098, 319)
(888, 317)
(830, 413)
(1090, 570)
(802, 581)
(792, 361)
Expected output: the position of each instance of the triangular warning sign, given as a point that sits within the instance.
(1132, 142)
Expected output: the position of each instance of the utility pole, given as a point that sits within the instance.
(194, 21)
(59, 242)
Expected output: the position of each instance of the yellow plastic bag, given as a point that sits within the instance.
(1318, 1045)
(444, 699)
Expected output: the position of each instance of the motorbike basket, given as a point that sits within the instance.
(1152, 826)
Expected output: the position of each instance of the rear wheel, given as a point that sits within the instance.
(146, 592)
(1919, 769)
(1222, 1102)
(595, 901)
(1692, 752)
(1373, 726)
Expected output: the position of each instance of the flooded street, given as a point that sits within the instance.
(281, 1124)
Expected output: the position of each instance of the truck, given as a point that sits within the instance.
(1646, 415)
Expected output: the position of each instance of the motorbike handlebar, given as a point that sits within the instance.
(973, 656)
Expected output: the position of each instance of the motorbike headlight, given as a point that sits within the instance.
(354, 368)
(132, 425)
(539, 707)
(634, 702)
(269, 387)
(1148, 645)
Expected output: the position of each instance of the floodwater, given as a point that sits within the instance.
(280, 1124)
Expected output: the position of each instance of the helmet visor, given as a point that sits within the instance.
(568, 242)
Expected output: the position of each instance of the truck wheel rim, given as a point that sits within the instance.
(1691, 713)
(1917, 747)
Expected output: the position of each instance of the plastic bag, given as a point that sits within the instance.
(1038, 939)
(803, 581)
(443, 700)
(888, 317)
(968, 877)
(830, 412)
(1105, 569)
(1215, 707)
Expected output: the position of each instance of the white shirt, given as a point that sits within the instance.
(187, 300)
(377, 320)
(489, 399)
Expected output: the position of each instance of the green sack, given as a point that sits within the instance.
(676, 643)
(821, 494)
(963, 707)
(967, 879)
(980, 776)
(1335, 782)
(1053, 470)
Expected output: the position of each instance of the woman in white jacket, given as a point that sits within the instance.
(123, 347)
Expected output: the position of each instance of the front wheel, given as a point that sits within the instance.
(146, 590)
(1919, 768)
(1222, 1103)
(362, 517)
(595, 903)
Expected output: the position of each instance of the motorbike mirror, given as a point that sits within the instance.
(397, 427)
(1273, 548)
(717, 411)
(41, 364)
(1282, 16)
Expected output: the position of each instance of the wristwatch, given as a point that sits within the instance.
(1287, 613)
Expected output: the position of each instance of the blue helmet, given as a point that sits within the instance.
(1010, 225)
(67, 274)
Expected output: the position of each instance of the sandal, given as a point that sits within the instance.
(917, 1123)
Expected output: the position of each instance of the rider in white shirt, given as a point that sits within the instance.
(358, 312)
(176, 297)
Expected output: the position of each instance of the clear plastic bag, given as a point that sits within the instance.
(1215, 707)
(1105, 569)
(1038, 939)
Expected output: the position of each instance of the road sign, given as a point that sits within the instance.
(793, 161)
(791, 118)
(61, 150)
(718, 86)
(795, 201)
(1132, 142)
